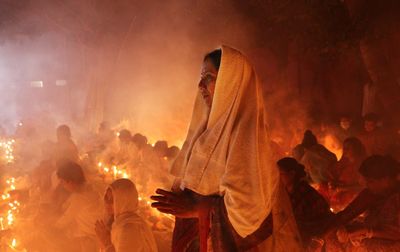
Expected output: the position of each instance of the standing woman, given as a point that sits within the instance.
(227, 191)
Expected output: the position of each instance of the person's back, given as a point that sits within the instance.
(81, 210)
(65, 148)
(318, 161)
(310, 209)
(128, 225)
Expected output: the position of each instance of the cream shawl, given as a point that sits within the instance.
(129, 232)
(227, 151)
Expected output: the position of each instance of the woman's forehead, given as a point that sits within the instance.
(208, 66)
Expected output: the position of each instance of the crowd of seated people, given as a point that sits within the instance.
(352, 203)
(78, 209)
(341, 203)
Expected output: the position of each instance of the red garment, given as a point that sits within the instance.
(193, 234)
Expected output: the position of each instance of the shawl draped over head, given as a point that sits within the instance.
(227, 152)
(129, 231)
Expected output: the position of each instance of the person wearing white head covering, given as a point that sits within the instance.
(226, 166)
(129, 232)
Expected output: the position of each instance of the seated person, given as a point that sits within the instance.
(124, 230)
(81, 210)
(317, 160)
(346, 181)
(309, 207)
(65, 147)
(373, 137)
(172, 153)
(127, 155)
(380, 202)
(105, 135)
(345, 129)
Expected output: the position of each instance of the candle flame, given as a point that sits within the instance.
(125, 175)
(14, 243)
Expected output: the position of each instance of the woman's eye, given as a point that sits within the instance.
(208, 79)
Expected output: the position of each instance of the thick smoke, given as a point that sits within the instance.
(152, 73)
(136, 63)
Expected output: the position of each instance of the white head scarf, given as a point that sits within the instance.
(125, 197)
(129, 231)
(227, 149)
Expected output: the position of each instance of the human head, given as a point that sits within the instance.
(353, 149)
(172, 152)
(63, 132)
(345, 122)
(161, 148)
(71, 175)
(209, 72)
(380, 173)
(291, 171)
(309, 139)
(125, 136)
(370, 122)
(139, 140)
(123, 196)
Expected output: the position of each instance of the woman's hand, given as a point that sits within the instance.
(342, 235)
(103, 234)
(360, 234)
(179, 204)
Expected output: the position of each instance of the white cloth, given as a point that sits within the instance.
(227, 152)
(81, 212)
(129, 232)
(370, 100)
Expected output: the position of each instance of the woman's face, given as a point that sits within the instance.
(207, 82)
(345, 123)
(348, 151)
(287, 179)
(109, 202)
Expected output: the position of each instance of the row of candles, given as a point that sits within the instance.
(8, 148)
(112, 171)
(7, 219)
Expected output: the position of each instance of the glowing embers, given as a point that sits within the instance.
(10, 208)
(112, 171)
(12, 205)
(7, 147)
